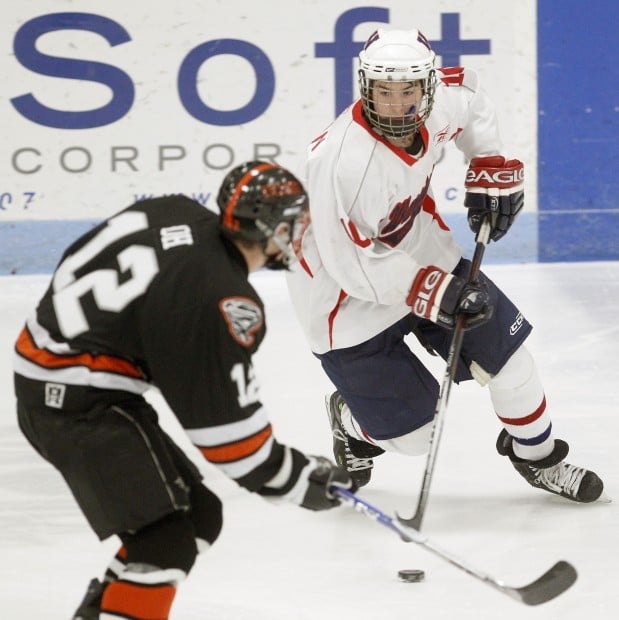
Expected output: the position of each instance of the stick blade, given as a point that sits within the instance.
(413, 523)
(553, 582)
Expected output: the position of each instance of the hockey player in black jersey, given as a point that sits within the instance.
(158, 296)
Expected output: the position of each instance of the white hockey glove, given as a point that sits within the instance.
(494, 187)
(440, 296)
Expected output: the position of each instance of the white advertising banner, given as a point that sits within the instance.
(108, 102)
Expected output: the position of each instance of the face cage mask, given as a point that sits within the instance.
(284, 242)
(415, 119)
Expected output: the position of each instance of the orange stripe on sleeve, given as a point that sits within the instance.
(26, 347)
(237, 450)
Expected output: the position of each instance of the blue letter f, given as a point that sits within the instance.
(344, 50)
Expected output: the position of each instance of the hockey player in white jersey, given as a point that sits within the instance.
(377, 263)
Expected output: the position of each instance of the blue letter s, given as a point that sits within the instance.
(118, 81)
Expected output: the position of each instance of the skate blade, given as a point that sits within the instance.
(605, 498)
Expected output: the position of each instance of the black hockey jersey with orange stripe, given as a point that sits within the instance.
(155, 296)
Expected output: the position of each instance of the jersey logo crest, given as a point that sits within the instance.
(243, 317)
(402, 216)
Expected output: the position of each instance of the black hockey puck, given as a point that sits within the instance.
(411, 575)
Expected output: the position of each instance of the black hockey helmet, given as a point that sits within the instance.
(256, 197)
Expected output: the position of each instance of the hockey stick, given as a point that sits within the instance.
(553, 582)
(443, 398)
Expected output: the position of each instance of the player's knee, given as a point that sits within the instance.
(414, 443)
(517, 371)
(167, 544)
(206, 515)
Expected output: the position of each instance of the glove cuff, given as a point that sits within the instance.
(291, 480)
(427, 294)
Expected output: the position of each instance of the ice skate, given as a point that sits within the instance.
(352, 454)
(553, 474)
(91, 605)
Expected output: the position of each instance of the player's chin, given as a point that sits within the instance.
(398, 121)
(403, 121)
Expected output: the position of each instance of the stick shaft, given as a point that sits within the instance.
(445, 390)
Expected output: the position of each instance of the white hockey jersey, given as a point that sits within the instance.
(374, 221)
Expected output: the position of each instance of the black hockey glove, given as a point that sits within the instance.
(439, 297)
(320, 478)
(494, 187)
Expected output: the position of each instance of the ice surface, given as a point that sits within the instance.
(285, 563)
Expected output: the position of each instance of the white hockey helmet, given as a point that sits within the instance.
(397, 56)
